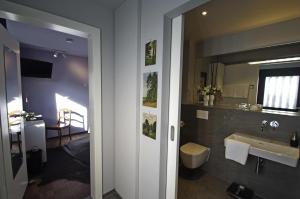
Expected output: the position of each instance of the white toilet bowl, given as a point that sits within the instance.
(194, 155)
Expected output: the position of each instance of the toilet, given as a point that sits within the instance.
(194, 155)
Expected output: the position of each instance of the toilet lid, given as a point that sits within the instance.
(193, 149)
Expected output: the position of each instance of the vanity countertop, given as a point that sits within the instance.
(236, 107)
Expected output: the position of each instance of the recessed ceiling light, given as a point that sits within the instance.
(55, 54)
(204, 13)
(273, 61)
(69, 40)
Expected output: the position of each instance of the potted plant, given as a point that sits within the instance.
(212, 92)
(205, 92)
(208, 93)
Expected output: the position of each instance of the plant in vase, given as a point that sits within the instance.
(213, 91)
(205, 92)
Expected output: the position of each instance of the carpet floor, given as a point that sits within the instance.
(80, 150)
(63, 177)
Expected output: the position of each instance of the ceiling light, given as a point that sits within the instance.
(204, 13)
(273, 61)
(69, 40)
(55, 54)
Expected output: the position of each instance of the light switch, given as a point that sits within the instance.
(202, 114)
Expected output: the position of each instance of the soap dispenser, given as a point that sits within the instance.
(294, 140)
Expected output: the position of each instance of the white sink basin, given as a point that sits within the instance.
(268, 149)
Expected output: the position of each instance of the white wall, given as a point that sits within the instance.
(129, 140)
(92, 13)
(126, 97)
(152, 28)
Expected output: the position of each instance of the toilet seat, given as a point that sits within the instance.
(194, 155)
(193, 149)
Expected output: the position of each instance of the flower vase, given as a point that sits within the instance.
(205, 100)
(211, 100)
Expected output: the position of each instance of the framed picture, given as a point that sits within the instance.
(149, 125)
(150, 89)
(150, 53)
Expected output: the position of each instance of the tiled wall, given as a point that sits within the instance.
(277, 181)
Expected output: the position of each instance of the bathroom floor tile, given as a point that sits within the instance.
(206, 187)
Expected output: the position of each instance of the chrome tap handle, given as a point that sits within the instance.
(264, 125)
(274, 124)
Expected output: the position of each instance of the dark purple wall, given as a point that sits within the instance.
(69, 79)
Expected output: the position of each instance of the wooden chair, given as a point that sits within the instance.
(64, 122)
(78, 119)
(14, 129)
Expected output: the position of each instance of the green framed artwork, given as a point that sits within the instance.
(149, 125)
(150, 53)
(150, 89)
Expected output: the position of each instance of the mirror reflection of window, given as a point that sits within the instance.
(14, 109)
(279, 87)
(281, 92)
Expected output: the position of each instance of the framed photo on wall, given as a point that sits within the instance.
(150, 89)
(150, 53)
(149, 125)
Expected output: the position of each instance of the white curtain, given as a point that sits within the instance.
(281, 92)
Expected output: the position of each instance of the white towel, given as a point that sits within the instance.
(237, 151)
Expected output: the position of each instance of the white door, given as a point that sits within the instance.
(174, 106)
(12, 142)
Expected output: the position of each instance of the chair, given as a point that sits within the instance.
(64, 122)
(77, 119)
(14, 128)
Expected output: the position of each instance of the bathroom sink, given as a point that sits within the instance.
(268, 149)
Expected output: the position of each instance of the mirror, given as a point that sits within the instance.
(251, 62)
(14, 109)
(266, 76)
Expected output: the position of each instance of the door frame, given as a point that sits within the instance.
(168, 182)
(27, 15)
(175, 105)
(15, 185)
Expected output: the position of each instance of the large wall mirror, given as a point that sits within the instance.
(267, 76)
(249, 61)
(14, 109)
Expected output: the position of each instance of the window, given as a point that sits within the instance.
(279, 88)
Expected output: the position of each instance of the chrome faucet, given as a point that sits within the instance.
(274, 124)
(264, 124)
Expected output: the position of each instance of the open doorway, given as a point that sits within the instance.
(82, 123)
(54, 80)
(240, 82)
